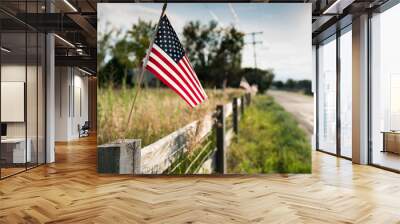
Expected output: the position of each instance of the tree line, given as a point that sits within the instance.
(215, 54)
(304, 85)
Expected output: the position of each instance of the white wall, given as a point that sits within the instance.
(12, 73)
(33, 126)
(70, 83)
(62, 82)
(81, 88)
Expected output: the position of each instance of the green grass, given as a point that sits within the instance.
(270, 141)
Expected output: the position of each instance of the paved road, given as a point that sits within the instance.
(301, 106)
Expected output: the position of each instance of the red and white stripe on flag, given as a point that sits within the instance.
(169, 63)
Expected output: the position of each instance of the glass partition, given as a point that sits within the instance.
(385, 89)
(327, 96)
(22, 90)
(14, 154)
(346, 93)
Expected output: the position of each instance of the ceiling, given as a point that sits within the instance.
(74, 22)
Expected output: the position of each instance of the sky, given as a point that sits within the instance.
(286, 38)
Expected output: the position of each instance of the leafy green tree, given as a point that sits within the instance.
(103, 47)
(140, 36)
(278, 84)
(290, 84)
(305, 85)
(227, 62)
(112, 74)
(126, 54)
(262, 78)
(122, 52)
(215, 53)
(201, 43)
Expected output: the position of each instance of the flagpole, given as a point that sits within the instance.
(145, 60)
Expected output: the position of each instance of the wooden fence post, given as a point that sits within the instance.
(235, 115)
(220, 126)
(137, 162)
(242, 105)
(249, 98)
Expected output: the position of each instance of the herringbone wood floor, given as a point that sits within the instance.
(70, 191)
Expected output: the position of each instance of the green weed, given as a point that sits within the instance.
(269, 141)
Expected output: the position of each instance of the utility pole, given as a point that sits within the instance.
(254, 43)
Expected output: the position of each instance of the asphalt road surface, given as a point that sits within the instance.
(300, 105)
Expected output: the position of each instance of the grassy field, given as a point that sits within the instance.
(269, 141)
(158, 112)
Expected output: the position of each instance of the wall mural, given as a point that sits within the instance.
(188, 88)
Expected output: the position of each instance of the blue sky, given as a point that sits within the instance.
(286, 29)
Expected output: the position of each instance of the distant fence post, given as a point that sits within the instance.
(220, 126)
(248, 100)
(241, 105)
(235, 117)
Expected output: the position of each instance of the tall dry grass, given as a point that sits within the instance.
(158, 112)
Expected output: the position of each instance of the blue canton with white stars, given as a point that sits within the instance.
(168, 41)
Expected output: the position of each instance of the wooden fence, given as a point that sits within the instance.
(225, 133)
(157, 157)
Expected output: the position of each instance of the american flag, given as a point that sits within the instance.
(167, 60)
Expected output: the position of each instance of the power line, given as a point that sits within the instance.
(254, 43)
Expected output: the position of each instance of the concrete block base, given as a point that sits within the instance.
(119, 157)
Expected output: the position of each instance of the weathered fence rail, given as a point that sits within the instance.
(158, 156)
(126, 157)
